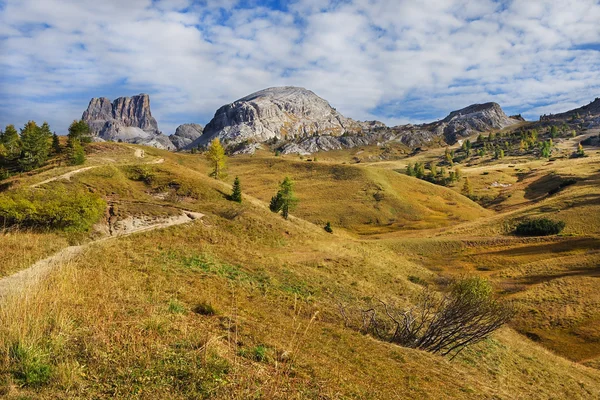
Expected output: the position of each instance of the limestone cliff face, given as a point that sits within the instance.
(127, 119)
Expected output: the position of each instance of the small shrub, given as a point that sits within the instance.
(539, 227)
(417, 280)
(328, 227)
(379, 196)
(142, 173)
(205, 308)
(466, 315)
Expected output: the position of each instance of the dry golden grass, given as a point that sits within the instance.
(20, 249)
(244, 304)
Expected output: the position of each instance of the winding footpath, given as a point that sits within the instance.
(31, 276)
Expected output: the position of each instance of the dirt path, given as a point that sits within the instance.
(66, 176)
(31, 276)
(139, 153)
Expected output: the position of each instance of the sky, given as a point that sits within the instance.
(392, 60)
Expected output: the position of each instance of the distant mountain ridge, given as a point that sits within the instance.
(299, 121)
(291, 119)
(588, 115)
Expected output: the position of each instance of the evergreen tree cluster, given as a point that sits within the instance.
(32, 147)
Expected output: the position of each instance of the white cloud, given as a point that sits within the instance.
(387, 59)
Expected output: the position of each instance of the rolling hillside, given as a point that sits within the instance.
(241, 303)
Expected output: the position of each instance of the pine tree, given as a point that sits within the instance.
(75, 152)
(284, 200)
(56, 144)
(236, 193)
(216, 157)
(580, 151)
(35, 145)
(80, 130)
(328, 227)
(409, 170)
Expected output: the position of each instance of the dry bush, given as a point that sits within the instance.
(445, 324)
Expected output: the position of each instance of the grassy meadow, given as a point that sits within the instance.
(244, 304)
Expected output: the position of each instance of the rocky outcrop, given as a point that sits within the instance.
(185, 135)
(473, 119)
(286, 115)
(127, 119)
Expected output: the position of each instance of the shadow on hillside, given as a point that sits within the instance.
(593, 272)
(561, 246)
(547, 184)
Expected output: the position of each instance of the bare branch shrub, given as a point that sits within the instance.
(467, 314)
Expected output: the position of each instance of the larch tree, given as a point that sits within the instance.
(216, 156)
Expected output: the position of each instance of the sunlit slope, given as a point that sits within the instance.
(245, 304)
(358, 199)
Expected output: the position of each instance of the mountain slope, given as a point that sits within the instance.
(245, 304)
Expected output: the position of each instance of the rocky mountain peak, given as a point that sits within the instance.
(128, 119)
(185, 135)
(281, 113)
(473, 119)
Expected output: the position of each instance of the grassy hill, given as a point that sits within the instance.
(244, 304)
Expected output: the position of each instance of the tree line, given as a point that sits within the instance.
(33, 145)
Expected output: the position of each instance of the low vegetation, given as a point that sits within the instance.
(539, 227)
(446, 324)
(53, 208)
(244, 304)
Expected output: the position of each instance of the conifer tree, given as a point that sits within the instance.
(580, 151)
(75, 152)
(80, 130)
(56, 144)
(409, 170)
(236, 193)
(328, 227)
(216, 157)
(284, 200)
(35, 145)
(11, 141)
